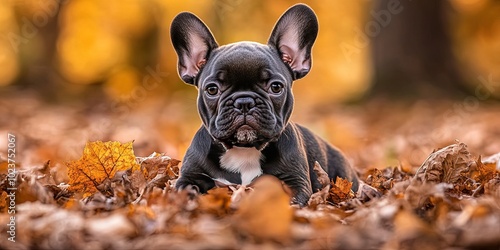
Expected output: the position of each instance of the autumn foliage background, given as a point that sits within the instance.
(79, 71)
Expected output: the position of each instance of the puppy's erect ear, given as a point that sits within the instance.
(293, 36)
(193, 43)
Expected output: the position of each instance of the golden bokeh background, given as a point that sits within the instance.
(110, 43)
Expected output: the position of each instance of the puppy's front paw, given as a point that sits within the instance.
(191, 190)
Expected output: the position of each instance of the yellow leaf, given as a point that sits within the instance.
(99, 162)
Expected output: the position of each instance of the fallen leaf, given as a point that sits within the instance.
(340, 190)
(320, 197)
(376, 179)
(217, 201)
(156, 164)
(265, 214)
(100, 162)
(384, 179)
(450, 165)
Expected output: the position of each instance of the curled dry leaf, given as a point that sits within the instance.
(450, 165)
(320, 197)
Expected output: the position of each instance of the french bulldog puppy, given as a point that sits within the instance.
(245, 101)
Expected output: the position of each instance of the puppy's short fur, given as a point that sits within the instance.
(245, 102)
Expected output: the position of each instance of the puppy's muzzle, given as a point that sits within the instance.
(246, 133)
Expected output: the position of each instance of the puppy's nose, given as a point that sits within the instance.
(244, 104)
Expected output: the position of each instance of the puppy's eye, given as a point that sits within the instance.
(276, 87)
(212, 89)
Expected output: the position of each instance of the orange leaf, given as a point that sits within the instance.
(484, 172)
(216, 201)
(98, 164)
(341, 190)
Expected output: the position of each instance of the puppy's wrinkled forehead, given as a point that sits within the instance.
(246, 62)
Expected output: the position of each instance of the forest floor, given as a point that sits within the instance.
(434, 166)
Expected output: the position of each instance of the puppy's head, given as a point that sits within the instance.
(245, 96)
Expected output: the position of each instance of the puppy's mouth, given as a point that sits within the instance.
(245, 136)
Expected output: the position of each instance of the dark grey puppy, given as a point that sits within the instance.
(245, 101)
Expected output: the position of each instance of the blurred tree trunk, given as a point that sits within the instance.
(38, 72)
(412, 54)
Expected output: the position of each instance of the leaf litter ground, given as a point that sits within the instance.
(109, 198)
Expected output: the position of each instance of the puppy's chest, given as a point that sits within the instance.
(245, 161)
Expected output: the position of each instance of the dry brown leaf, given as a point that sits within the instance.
(450, 164)
(384, 180)
(100, 162)
(265, 214)
(320, 196)
(376, 179)
(217, 201)
(159, 163)
(159, 169)
(341, 190)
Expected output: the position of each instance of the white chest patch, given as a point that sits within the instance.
(245, 161)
